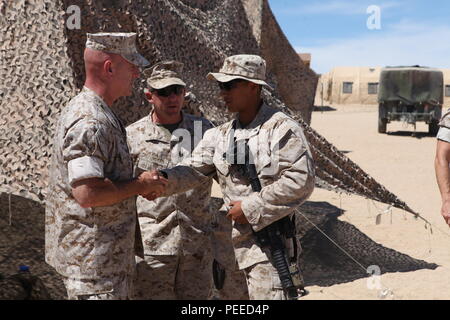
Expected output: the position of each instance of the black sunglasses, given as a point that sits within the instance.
(167, 91)
(227, 86)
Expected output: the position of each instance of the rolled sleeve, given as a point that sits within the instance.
(86, 149)
(444, 134)
(84, 168)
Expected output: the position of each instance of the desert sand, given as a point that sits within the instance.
(403, 161)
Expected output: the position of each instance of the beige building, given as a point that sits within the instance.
(358, 86)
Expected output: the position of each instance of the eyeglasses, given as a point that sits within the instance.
(227, 86)
(167, 91)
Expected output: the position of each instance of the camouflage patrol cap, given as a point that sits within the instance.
(123, 44)
(164, 74)
(243, 66)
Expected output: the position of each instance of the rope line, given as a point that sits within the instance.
(338, 246)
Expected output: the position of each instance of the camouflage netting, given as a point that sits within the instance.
(42, 69)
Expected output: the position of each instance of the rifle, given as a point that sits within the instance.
(273, 236)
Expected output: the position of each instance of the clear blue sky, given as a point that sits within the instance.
(335, 32)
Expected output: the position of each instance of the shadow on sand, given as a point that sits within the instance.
(324, 264)
(323, 108)
(413, 134)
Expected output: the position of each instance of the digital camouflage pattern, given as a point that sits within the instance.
(178, 224)
(164, 74)
(242, 66)
(234, 286)
(264, 283)
(444, 130)
(123, 44)
(180, 277)
(89, 243)
(257, 282)
(117, 288)
(175, 229)
(285, 169)
(445, 120)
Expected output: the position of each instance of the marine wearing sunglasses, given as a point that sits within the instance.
(238, 95)
(168, 91)
(167, 103)
(227, 86)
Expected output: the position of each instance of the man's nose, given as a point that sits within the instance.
(173, 97)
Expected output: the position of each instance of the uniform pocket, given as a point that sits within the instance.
(276, 282)
(149, 162)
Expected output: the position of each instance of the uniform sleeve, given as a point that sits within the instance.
(295, 183)
(197, 169)
(85, 149)
(444, 134)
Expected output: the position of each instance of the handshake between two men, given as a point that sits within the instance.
(155, 185)
(100, 192)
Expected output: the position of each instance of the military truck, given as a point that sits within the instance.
(410, 94)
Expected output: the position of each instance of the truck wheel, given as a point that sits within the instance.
(433, 128)
(382, 125)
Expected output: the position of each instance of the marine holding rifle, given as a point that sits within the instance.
(265, 170)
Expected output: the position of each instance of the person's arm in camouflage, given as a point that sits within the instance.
(194, 170)
(294, 185)
(86, 149)
(98, 192)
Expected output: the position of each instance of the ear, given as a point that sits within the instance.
(107, 67)
(149, 95)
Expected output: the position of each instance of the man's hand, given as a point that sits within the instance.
(153, 184)
(445, 211)
(235, 213)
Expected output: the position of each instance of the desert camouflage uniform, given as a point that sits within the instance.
(93, 248)
(444, 130)
(175, 230)
(285, 168)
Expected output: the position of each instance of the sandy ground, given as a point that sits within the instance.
(404, 163)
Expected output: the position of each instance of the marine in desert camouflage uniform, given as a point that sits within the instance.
(442, 164)
(285, 169)
(175, 230)
(90, 206)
